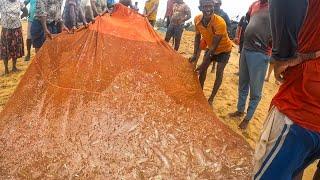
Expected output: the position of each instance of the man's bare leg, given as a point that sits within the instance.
(218, 81)
(213, 66)
(27, 58)
(14, 65)
(202, 78)
(177, 41)
(6, 69)
(177, 37)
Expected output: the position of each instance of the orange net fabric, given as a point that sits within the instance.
(114, 101)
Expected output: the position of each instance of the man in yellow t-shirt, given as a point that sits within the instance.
(213, 29)
(151, 10)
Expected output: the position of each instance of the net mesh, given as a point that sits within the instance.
(115, 101)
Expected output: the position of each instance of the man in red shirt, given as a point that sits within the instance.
(290, 140)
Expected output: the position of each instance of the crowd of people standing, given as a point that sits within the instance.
(267, 34)
(47, 18)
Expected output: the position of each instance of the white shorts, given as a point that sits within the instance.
(285, 149)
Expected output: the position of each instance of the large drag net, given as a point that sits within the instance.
(114, 101)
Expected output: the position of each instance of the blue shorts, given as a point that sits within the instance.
(37, 33)
(285, 149)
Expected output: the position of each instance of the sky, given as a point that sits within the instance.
(231, 7)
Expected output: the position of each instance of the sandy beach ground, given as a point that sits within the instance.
(225, 101)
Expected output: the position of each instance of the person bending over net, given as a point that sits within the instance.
(213, 29)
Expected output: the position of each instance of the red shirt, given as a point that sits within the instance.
(299, 96)
(169, 10)
(257, 6)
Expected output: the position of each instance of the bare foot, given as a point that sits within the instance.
(27, 57)
(6, 73)
(210, 101)
(213, 69)
(244, 124)
(15, 70)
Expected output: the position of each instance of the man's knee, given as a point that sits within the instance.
(255, 97)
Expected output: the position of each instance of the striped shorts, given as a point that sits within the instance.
(284, 149)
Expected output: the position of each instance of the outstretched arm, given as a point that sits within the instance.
(41, 13)
(196, 47)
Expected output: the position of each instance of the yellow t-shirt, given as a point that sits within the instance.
(148, 7)
(217, 26)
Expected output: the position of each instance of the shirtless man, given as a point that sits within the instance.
(181, 13)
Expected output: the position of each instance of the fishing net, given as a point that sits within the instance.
(114, 101)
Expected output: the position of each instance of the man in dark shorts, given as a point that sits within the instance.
(181, 13)
(254, 60)
(213, 29)
(47, 21)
